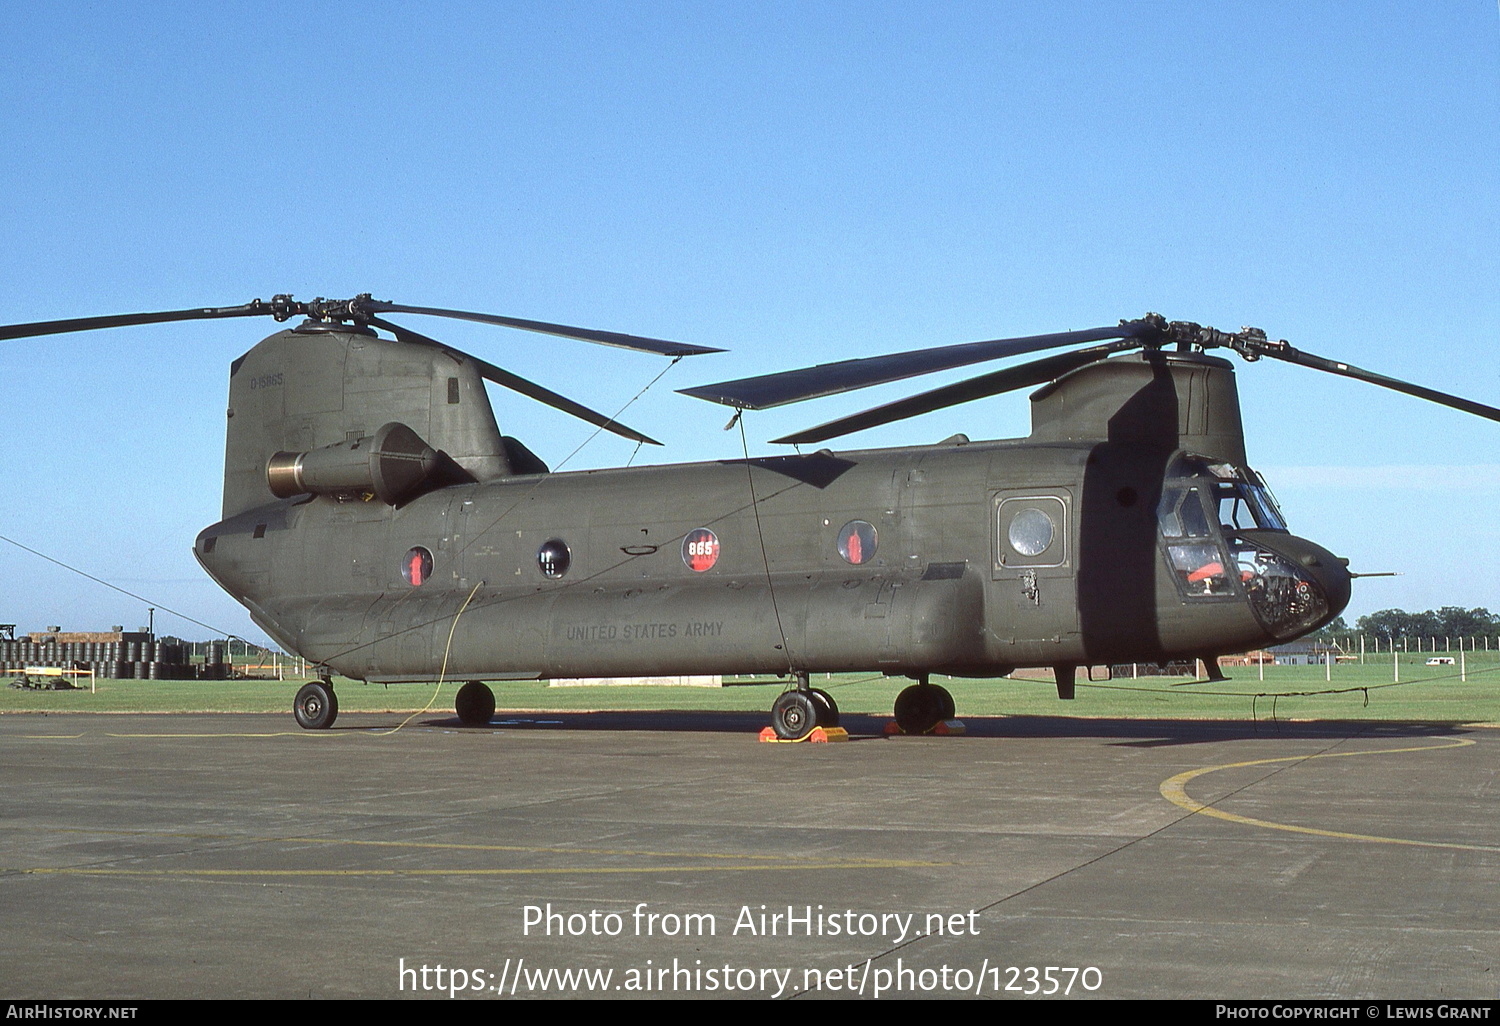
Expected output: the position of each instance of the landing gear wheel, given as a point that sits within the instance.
(921, 707)
(475, 704)
(316, 706)
(794, 715)
(828, 709)
(950, 708)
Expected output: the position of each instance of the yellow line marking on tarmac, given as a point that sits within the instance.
(282, 733)
(543, 871)
(1174, 790)
(745, 862)
(279, 733)
(455, 846)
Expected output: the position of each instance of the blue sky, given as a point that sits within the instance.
(794, 182)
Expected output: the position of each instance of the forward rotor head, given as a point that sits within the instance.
(1151, 332)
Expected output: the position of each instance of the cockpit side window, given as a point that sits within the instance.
(1181, 514)
(1193, 548)
(1199, 569)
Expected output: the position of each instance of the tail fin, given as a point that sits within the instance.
(301, 390)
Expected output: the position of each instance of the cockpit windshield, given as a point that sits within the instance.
(1203, 505)
(1204, 512)
(1238, 495)
(1247, 507)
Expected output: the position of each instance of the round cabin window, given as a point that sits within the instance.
(857, 542)
(700, 549)
(1030, 532)
(553, 558)
(417, 566)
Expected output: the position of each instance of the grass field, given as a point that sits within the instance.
(1426, 693)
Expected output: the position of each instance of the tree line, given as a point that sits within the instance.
(1448, 622)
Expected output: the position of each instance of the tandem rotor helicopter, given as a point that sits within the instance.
(377, 522)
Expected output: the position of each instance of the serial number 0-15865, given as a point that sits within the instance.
(1052, 979)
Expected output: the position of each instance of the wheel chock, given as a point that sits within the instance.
(943, 728)
(819, 735)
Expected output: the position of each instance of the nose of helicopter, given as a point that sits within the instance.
(1295, 585)
(1330, 573)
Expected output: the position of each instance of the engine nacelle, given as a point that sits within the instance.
(392, 465)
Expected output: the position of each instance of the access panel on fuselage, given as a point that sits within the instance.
(1033, 606)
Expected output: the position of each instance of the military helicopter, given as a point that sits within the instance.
(377, 522)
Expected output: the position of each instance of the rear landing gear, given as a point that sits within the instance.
(795, 713)
(923, 706)
(316, 706)
(475, 704)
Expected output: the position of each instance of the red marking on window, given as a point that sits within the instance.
(418, 566)
(700, 549)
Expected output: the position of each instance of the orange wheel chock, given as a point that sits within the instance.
(819, 735)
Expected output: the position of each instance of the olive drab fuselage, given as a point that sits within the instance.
(1127, 528)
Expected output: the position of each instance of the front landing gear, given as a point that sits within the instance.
(828, 709)
(316, 706)
(922, 706)
(796, 712)
(475, 704)
(794, 715)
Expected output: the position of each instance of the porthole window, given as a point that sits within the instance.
(700, 549)
(417, 566)
(553, 558)
(1031, 531)
(857, 542)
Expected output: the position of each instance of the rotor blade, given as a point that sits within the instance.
(1036, 372)
(516, 383)
(768, 390)
(608, 338)
(1302, 359)
(250, 309)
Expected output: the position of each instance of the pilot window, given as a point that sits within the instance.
(1246, 507)
(1209, 505)
(1238, 497)
(1199, 569)
(1181, 514)
(1193, 550)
